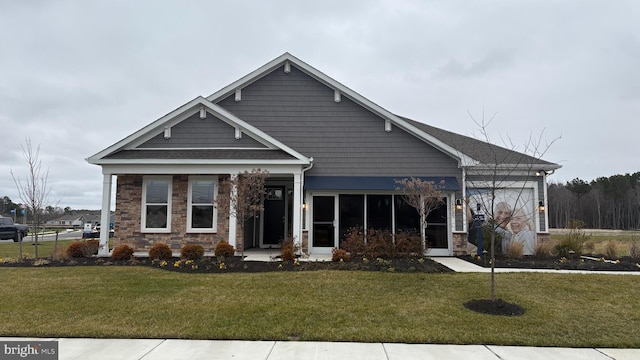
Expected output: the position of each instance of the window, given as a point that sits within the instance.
(201, 210)
(379, 212)
(156, 204)
(351, 213)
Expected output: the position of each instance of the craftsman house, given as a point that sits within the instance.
(333, 157)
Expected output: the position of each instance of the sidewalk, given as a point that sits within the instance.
(459, 265)
(171, 349)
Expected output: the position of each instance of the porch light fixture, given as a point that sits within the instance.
(458, 204)
(540, 206)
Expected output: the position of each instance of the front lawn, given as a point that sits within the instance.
(142, 302)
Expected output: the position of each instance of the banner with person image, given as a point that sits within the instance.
(513, 212)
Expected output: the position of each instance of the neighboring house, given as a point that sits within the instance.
(333, 157)
(75, 220)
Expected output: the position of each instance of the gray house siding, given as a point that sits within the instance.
(344, 138)
(209, 132)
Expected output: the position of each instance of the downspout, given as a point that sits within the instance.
(303, 200)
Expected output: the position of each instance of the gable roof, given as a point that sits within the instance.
(402, 123)
(127, 151)
(485, 153)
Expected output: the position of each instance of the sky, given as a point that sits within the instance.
(78, 76)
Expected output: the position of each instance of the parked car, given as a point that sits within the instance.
(94, 233)
(9, 230)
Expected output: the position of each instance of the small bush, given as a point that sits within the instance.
(93, 246)
(122, 252)
(353, 241)
(572, 244)
(192, 252)
(160, 251)
(515, 250)
(589, 247)
(634, 249)
(78, 249)
(287, 250)
(340, 255)
(611, 249)
(380, 244)
(409, 244)
(224, 249)
(543, 250)
(59, 254)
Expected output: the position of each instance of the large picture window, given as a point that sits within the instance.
(201, 210)
(156, 204)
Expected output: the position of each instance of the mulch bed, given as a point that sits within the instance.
(592, 263)
(497, 307)
(236, 265)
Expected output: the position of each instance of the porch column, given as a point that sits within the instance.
(297, 209)
(105, 215)
(232, 215)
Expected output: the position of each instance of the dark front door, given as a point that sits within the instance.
(274, 212)
(324, 221)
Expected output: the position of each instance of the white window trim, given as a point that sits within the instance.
(143, 216)
(214, 229)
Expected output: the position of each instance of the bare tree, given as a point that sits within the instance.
(503, 168)
(423, 196)
(33, 189)
(241, 196)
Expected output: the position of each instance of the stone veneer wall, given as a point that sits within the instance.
(459, 243)
(128, 216)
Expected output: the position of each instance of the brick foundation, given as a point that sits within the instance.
(129, 211)
(459, 243)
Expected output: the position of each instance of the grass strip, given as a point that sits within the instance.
(138, 302)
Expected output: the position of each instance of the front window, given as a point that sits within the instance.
(201, 211)
(156, 204)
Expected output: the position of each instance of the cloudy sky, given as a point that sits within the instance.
(77, 76)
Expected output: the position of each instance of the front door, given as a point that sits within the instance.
(274, 215)
(324, 222)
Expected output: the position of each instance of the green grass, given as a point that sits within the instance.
(45, 248)
(139, 302)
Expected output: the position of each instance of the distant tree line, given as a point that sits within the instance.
(604, 203)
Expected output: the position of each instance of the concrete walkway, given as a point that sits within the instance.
(171, 349)
(459, 265)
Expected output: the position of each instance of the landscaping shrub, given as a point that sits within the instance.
(340, 255)
(353, 241)
(589, 247)
(78, 249)
(160, 251)
(224, 249)
(379, 244)
(122, 252)
(515, 250)
(572, 243)
(409, 243)
(287, 250)
(611, 249)
(93, 246)
(543, 250)
(634, 249)
(192, 252)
